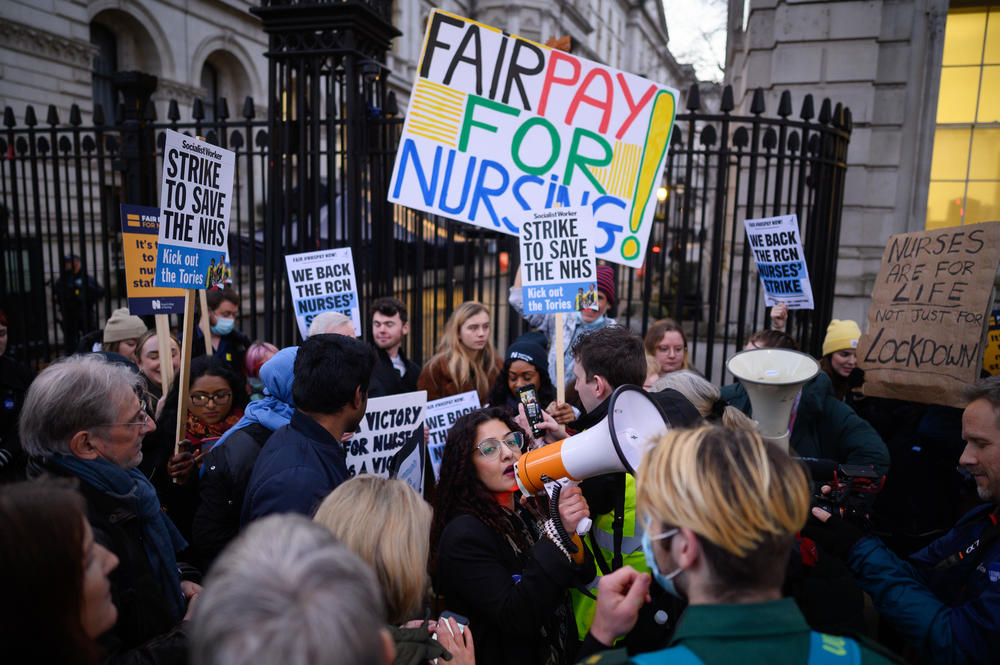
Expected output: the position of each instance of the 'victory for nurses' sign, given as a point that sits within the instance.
(194, 211)
(498, 125)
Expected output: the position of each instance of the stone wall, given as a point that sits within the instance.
(880, 58)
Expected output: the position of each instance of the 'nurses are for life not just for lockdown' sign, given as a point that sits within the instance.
(558, 270)
(195, 202)
(498, 125)
(781, 265)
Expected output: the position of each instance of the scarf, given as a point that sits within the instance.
(275, 410)
(198, 430)
(161, 539)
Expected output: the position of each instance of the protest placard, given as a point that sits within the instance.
(930, 305)
(140, 230)
(991, 357)
(390, 423)
(498, 125)
(194, 213)
(323, 281)
(441, 415)
(558, 270)
(777, 250)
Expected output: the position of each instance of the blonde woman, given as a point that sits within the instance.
(465, 358)
(387, 524)
(721, 509)
(705, 397)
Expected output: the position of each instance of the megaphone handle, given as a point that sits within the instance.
(583, 527)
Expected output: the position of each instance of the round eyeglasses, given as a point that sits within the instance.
(491, 447)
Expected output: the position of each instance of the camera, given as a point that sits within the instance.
(853, 489)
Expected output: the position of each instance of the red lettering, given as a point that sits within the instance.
(555, 57)
(581, 96)
(633, 109)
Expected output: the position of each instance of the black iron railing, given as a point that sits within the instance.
(313, 174)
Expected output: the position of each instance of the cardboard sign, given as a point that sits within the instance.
(140, 229)
(441, 415)
(499, 125)
(930, 305)
(557, 261)
(991, 357)
(777, 250)
(389, 424)
(323, 281)
(195, 200)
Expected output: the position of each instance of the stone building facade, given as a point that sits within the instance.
(914, 162)
(63, 52)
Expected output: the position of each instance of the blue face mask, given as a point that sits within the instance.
(665, 581)
(223, 326)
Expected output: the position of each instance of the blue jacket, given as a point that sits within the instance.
(824, 426)
(952, 614)
(298, 466)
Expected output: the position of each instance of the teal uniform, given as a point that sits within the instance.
(748, 634)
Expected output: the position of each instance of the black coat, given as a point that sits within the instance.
(14, 381)
(386, 379)
(476, 571)
(225, 474)
(145, 631)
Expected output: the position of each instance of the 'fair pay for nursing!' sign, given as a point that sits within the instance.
(194, 211)
(777, 249)
(323, 281)
(558, 270)
(498, 126)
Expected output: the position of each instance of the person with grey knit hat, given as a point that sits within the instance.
(122, 333)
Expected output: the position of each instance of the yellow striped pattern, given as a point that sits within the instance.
(618, 177)
(435, 112)
(132, 220)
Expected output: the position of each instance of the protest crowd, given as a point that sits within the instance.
(582, 494)
(254, 537)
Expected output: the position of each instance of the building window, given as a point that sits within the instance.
(210, 82)
(105, 64)
(965, 169)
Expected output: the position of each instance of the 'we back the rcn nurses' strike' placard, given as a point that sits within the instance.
(195, 203)
(781, 265)
(499, 125)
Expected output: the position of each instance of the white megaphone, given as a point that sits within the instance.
(614, 444)
(772, 379)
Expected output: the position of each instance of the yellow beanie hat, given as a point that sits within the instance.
(841, 335)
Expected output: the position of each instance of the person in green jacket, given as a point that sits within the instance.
(722, 508)
(821, 426)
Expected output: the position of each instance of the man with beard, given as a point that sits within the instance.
(394, 373)
(945, 599)
(304, 461)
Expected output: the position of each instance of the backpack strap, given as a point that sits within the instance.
(832, 650)
(678, 655)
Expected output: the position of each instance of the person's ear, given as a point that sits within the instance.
(601, 386)
(360, 397)
(82, 445)
(388, 647)
(686, 548)
(405, 328)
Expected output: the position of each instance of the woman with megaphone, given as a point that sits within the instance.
(505, 564)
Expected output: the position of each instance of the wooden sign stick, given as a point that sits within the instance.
(204, 323)
(166, 358)
(185, 374)
(560, 360)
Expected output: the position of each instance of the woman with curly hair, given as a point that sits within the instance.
(497, 562)
(465, 359)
